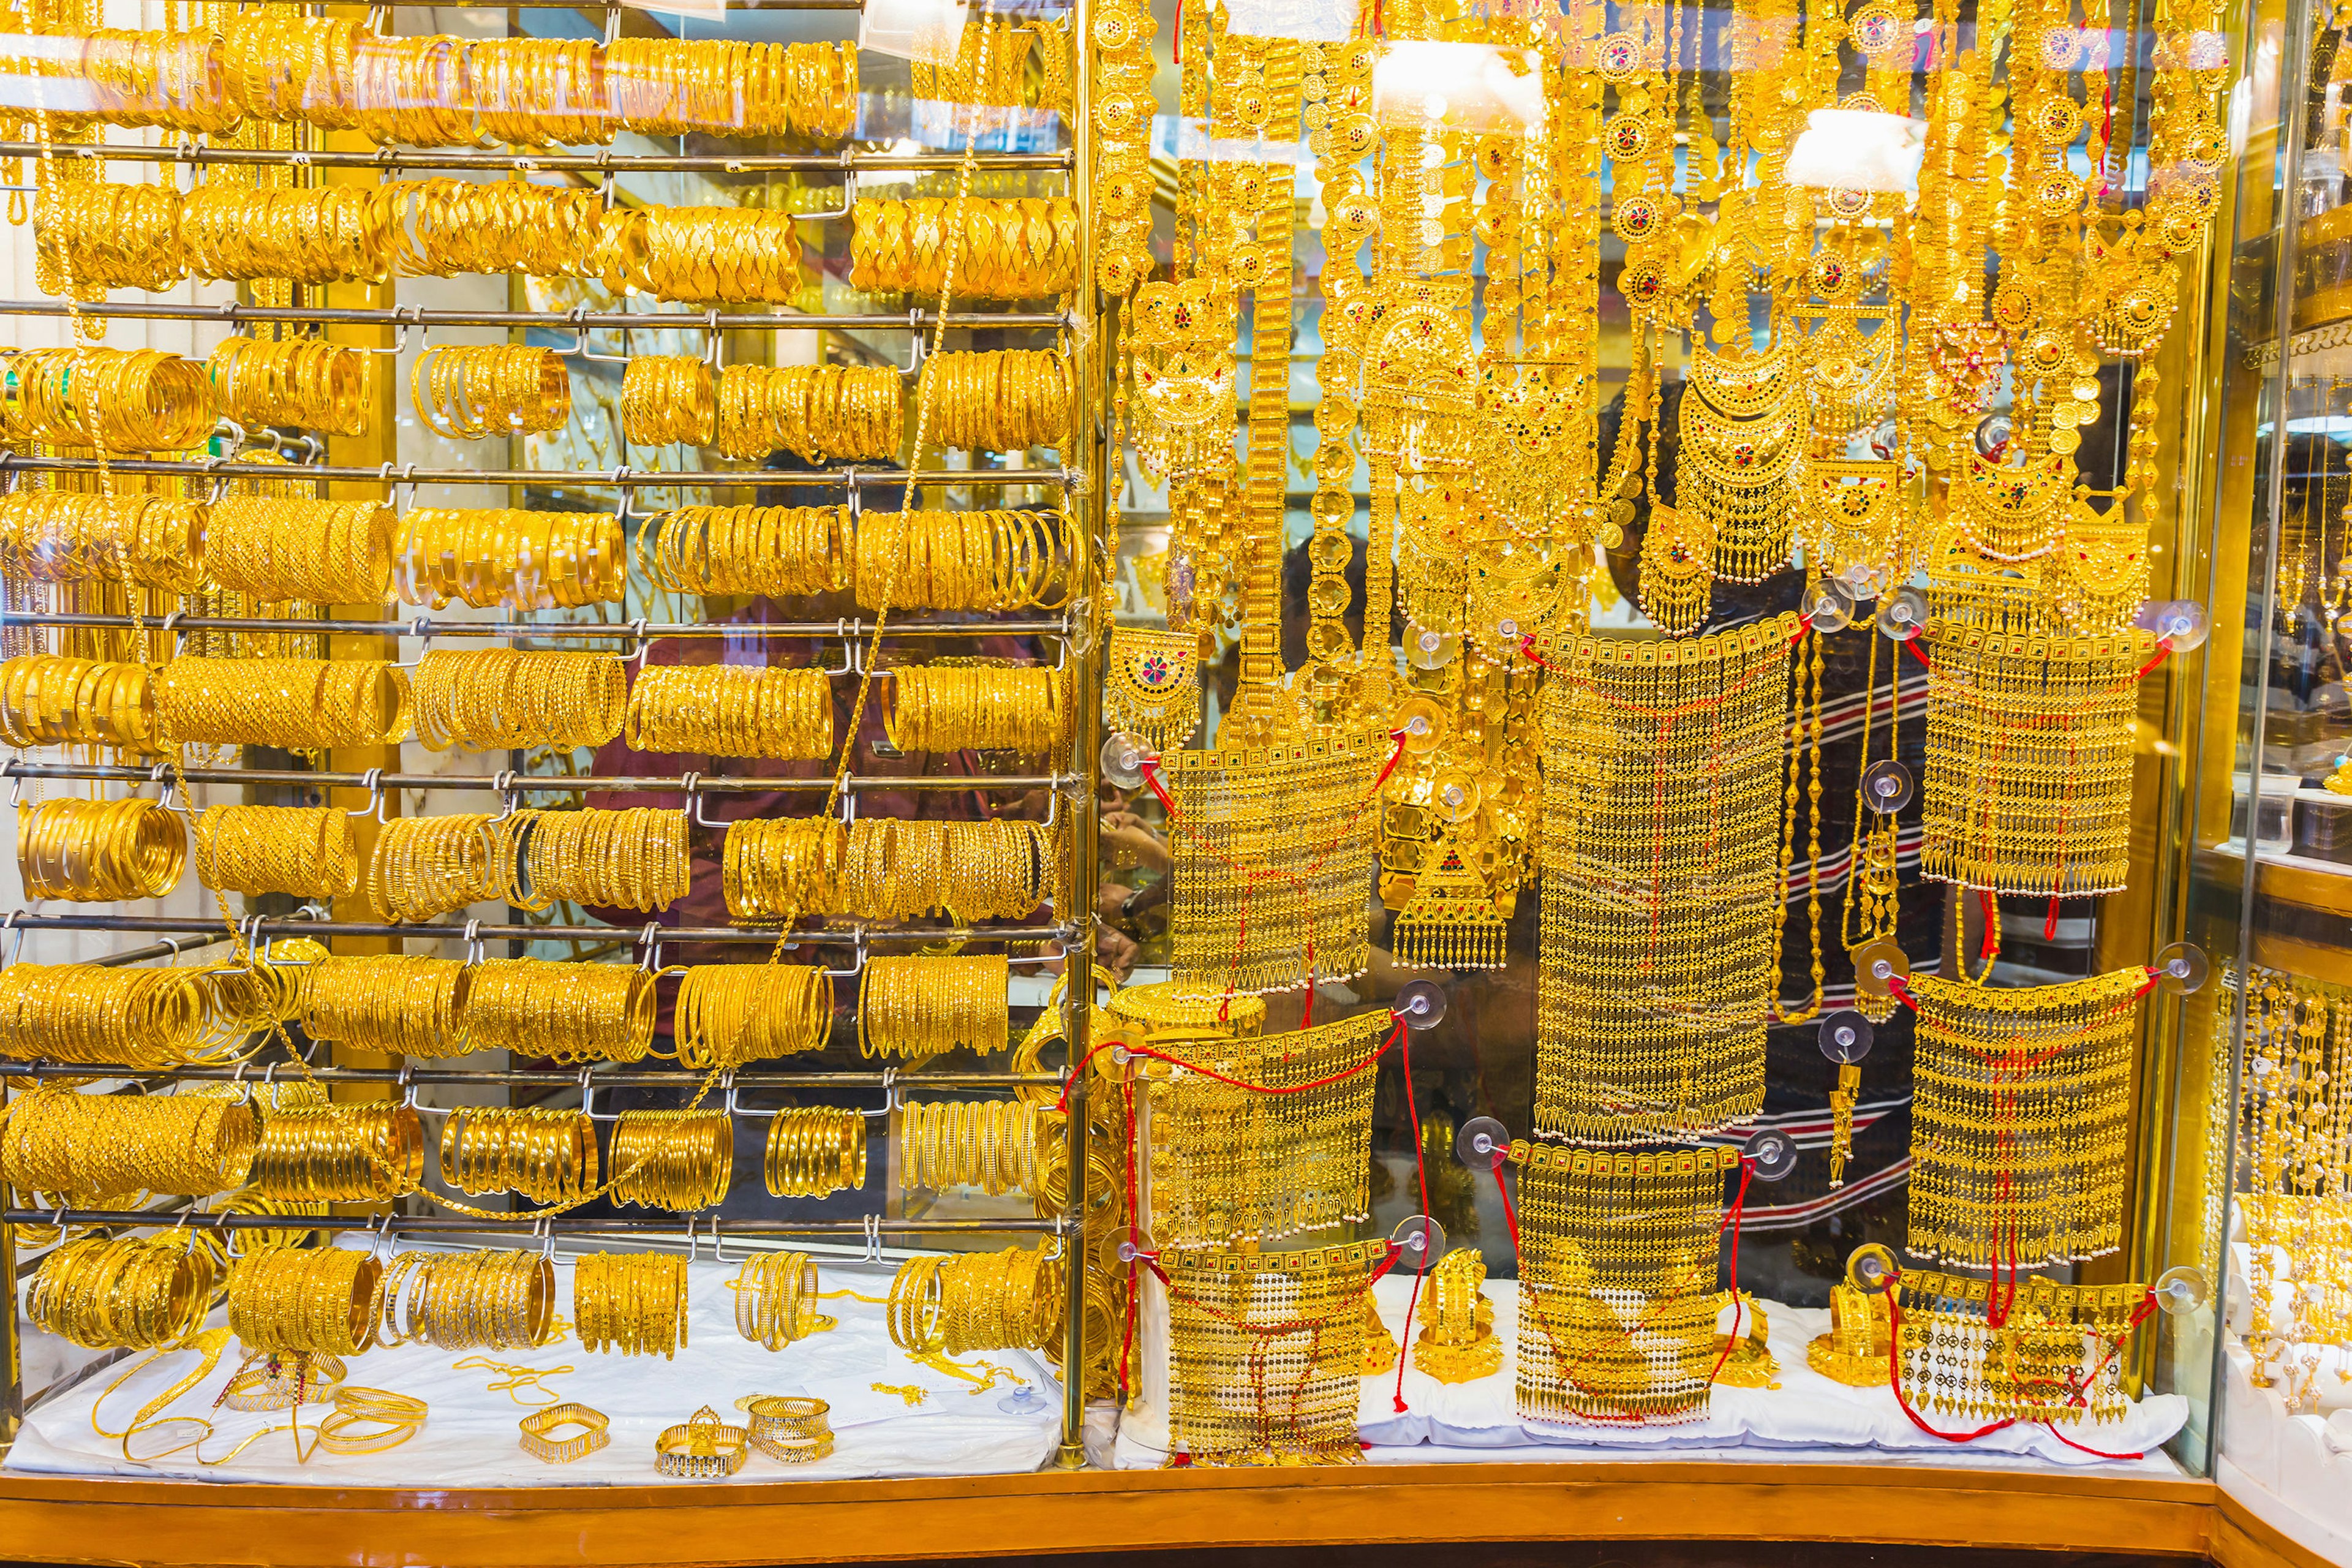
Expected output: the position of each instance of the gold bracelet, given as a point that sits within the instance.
(539, 1426)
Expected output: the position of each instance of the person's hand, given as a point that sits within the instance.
(1110, 900)
(1115, 951)
(1126, 843)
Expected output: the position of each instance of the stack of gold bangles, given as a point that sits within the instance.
(320, 234)
(635, 858)
(324, 551)
(731, 1013)
(296, 704)
(501, 558)
(499, 226)
(538, 1429)
(633, 1302)
(306, 850)
(546, 1155)
(304, 381)
(464, 392)
(88, 1147)
(144, 400)
(46, 700)
(817, 412)
(127, 1294)
(925, 1006)
(495, 1300)
(403, 1005)
(539, 92)
(706, 254)
(731, 711)
(990, 1144)
(80, 1013)
(317, 1301)
(775, 1298)
(572, 1011)
(365, 1152)
(815, 1151)
(1023, 247)
(996, 1301)
(169, 79)
(411, 89)
(769, 550)
(791, 1429)
(894, 868)
(666, 398)
(779, 867)
(986, 708)
(677, 1160)
(495, 700)
(674, 87)
(964, 560)
(95, 234)
(1005, 401)
(67, 536)
(282, 67)
(428, 866)
(89, 851)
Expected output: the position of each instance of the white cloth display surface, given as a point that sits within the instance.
(1807, 1413)
(470, 1437)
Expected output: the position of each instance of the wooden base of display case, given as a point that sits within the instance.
(45, 1519)
(2241, 1540)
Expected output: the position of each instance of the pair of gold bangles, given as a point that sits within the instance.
(493, 1300)
(1006, 400)
(101, 851)
(990, 1144)
(124, 1293)
(1019, 248)
(731, 711)
(73, 536)
(546, 1155)
(998, 559)
(308, 382)
(728, 1015)
(815, 1151)
(88, 1148)
(468, 391)
(122, 400)
(506, 558)
(985, 708)
(921, 1006)
(300, 704)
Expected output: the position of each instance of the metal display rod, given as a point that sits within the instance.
(846, 160)
(258, 927)
(169, 947)
(230, 468)
(637, 631)
(595, 321)
(510, 784)
(545, 1078)
(452, 1224)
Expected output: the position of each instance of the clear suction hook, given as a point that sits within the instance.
(1886, 786)
(1903, 614)
(1420, 1003)
(1845, 1037)
(1136, 1247)
(1123, 757)
(1420, 1242)
(2179, 624)
(1828, 606)
(2181, 968)
(1482, 1143)
(1872, 1270)
(2182, 1290)
(1770, 1154)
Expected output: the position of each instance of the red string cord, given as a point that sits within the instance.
(1421, 1169)
(1063, 1103)
(1732, 1220)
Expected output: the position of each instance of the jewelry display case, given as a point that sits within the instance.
(1170, 774)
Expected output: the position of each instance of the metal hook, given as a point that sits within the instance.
(503, 783)
(727, 1091)
(853, 479)
(588, 1100)
(872, 1238)
(710, 354)
(244, 1089)
(645, 644)
(849, 200)
(889, 1094)
(8, 925)
(407, 1086)
(372, 781)
(717, 1255)
(544, 1229)
(914, 358)
(694, 803)
(693, 1249)
(475, 951)
(400, 343)
(857, 960)
(650, 939)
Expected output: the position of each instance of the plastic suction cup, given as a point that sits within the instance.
(1427, 649)
(1903, 614)
(1122, 761)
(1846, 1037)
(1024, 1401)
(2179, 624)
(1877, 965)
(1420, 1003)
(1420, 1241)
(1829, 606)
(1872, 1268)
(2182, 1290)
(1886, 786)
(1771, 1154)
(2181, 968)
(1481, 1142)
(1135, 1247)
